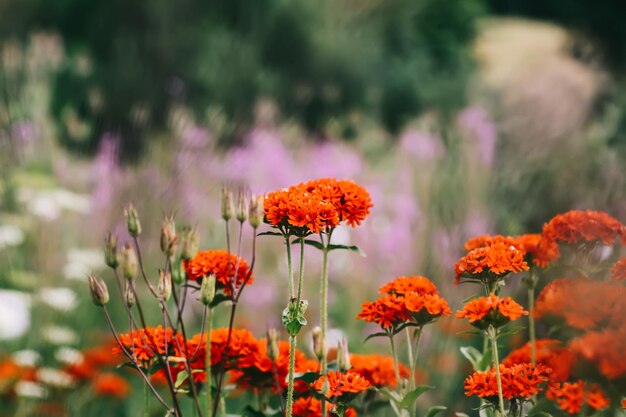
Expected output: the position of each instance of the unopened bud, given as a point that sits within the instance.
(128, 262)
(272, 343)
(343, 355)
(242, 207)
(164, 287)
(132, 220)
(318, 343)
(190, 242)
(168, 236)
(207, 289)
(129, 295)
(257, 210)
(99, 291)
(178, 272)
(110, 251)
(325, 387)
(227, 204)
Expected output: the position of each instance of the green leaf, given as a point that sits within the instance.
(410, 397)
(269, 234)
(510, 330)
(393, 396)
(352, 248)
(436, 409)
(313, 243)
(220, 298)
(473, 355)
(126, 364)
(373, 335)
(308, 377)
(180, 379)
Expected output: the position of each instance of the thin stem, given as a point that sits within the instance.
(496, 362)
(146, 399)
(324, 311)
(293, 339)
(396, 367)
(141, 267)
(409, 344)
(532, 282)
(209, 394)
(290, 271)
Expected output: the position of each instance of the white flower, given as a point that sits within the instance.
(59, 298)
(54, 377)
(14, 314)
(26, 357)
(82, 262)
(30, 389)
(49, 203)
(68, 355)
(10, 235)
(59, 335)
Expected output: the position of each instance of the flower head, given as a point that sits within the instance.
(312, 407)
(495, 311)
(518, 381)
(222, 265)
(618, 272)
(542, 251)
(378, 370)
(571, 396)
(404, 285)
(491, 262)
(342, 386)
(550, 353)
(111, 385)
(145, 343)
(584, 226)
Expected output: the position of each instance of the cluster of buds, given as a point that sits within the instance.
(248, 207)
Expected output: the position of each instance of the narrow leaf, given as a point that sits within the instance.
(411, 396)
(434, 410)
(352, 248)
(373, 335)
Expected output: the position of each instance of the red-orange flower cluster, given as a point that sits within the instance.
(144, 344)
(378, 370)
(571, 396)
(318, 205)
(518, 381)
(111, 385)
(580, 226)
(342, 385)
(221, 264)
(497, 259)
(542, 251)
(405, 298)
(312, 407)
(618, 272)
(493, 310)
(605, 349)
(550, 353)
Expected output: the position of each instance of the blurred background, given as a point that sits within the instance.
(461, 117)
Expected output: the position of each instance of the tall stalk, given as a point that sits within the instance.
(493, 333)
(293, 337)
(209, 394)
(532, 282)
(324, 311)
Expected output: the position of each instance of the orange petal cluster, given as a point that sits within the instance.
(618, 272)
(572, 396)
(497, 259)
(493, 310)
(378, 370)
(405, 299)
(312, 407)
(581, 226)
(518, 381)
(605, 349)
(542, 251)
(550, 353)
(221, 264)
(111, 385)
(341, 384)
(144, 344)
(318, 205)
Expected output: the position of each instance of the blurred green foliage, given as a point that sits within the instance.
(317, 60)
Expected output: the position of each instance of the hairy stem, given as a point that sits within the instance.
(209, 394)
(292, 339)
(496, 362)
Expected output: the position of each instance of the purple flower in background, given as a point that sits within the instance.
(476, 123)
(333, 160)
(105, 171)
(421, 145)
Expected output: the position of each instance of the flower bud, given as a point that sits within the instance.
(132, 220)
(272, 343)
(99, 291)
(128, 262)
(318, 343)
(168, 236)
(257, 210)
(227, 204)
(325, 387)
(207, 289)
(190, 242)
(164, 288)
(129, 295)
(343, 355)
(178, 272)
(242, 207)
(110, 251)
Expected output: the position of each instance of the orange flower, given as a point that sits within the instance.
(426, 306)
(311, 407)
(220, 264)
(93, 359)
(342, 386)
(405, 285)
(618, 273)
(485, 241)
(518, 381)
(583, 303)
(111, 385)
(542, 251)
(317, 206)
(388, 311)
(493, 310)
(145, 343)
(624, 404)
(491, 262)
(378, 370)
(571, 396)
(580, 226)
(605, 349)
(550, 353)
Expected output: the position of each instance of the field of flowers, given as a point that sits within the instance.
(472, 263)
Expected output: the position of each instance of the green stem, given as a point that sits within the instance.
(396, 367)
(292, 339)
(324, 315)
(531, 325)
(146, 397)
(209, 394)
(289, 267)
(409, 344)
(494, 347)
